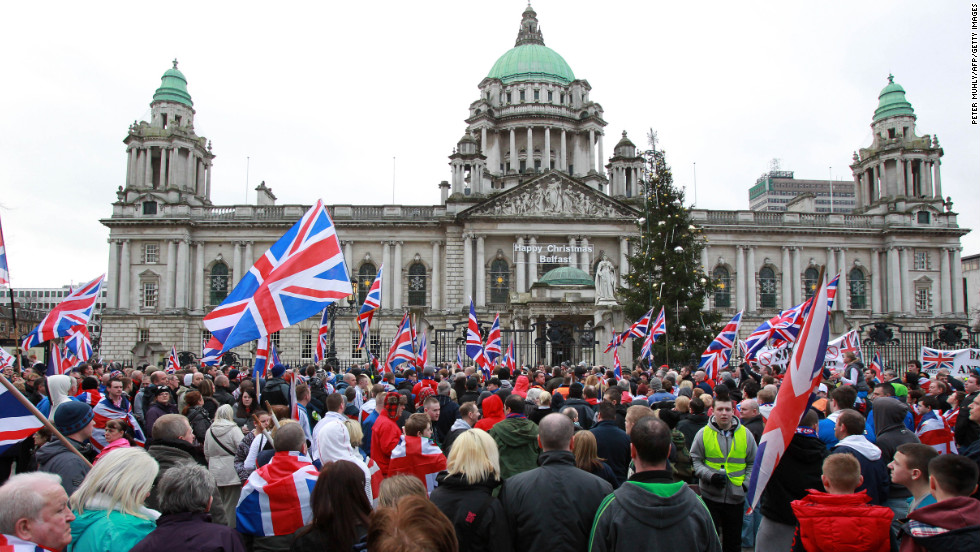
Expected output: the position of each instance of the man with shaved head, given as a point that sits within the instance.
(529, 498)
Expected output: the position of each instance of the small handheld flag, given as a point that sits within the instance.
(493, 349)
(372, 302)
(173, 364)
(474, 343)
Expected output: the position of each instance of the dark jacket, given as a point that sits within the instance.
(190, 532)
(223, 395)
(517, 440)
(530, 499)
(54, 457)
(585, 412)
(477, 515)
(317, 540)
(966, 431)
(200, 422)
(798, 470)
(169, 453)
(448, 413)
(613, 445)
(469, 396)
(275, 392)
(960, 516)
(154, 411)
(873, 468)
(889, 418)
(653, 513)
(755, 425)
(690, 425)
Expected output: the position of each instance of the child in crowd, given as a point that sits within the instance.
(910, 468)
(953, 522)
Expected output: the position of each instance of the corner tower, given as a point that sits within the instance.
(900, 170)
(533, 115)
(167, 162)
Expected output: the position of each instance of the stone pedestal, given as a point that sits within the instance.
(609, 318)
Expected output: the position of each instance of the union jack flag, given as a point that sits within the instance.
(484, 364)
(419, 457)
(16, 421)
(849, 342)
(719, 352)
(805, 365)
(273, 355)
(323, 338)
(79, 343)
(401, 348)
(639, 328)
(935, 359)
(56, 363)
(423, 356)
(785, 326)
(261, 359)
(173, 364)
(474, 343)
(4, 271)
(617, 340)
(372, 302)
(935, 432)
(74, 310)
(105, 411)
(211, 352)
(493, 349)
(276, 498)
(6, 359)
(298, 276)
(617, 367)
(878, 367)
(510, 361)
(459, 360)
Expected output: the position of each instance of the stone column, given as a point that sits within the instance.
(572, 256)
(468, 266)
(927, 181)
(189, 171)
(875, 282)
(739, 277)
(182, 274)
(129, 166)
(787, 284)
(936, 181)
(207, 181)
(513, 151)
(172, 159)
(842, 287)
(903, 256)
(520, 269)
(125, 275)
(903, 184)
(797, 272)
(532, 266)
(894, 281)
(436, 277)
(945, 279)
(112, 293)
(750, 279)
(563, 158)
(584, 258)
(199, 180)
(236, 262)
(483, 140)
(546, 154)
(249, 259)
(396, 277)
(624, 266)
(591, 150)
(199, 277)
(387, 297)
(163, 168)
(170, 283)
(601, 159)
(908, 173)
(958, 307)
(481, 273)
(148, 167)
(530, 149)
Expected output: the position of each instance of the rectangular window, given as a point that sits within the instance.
(561, 98)
(275, 341)
(150, 295)
(306, 346)
(143, 336)
(923, 300)
(508, 97)
(151, 253)
(921, 260)
(537, 95)
(521, 95)
(149, 207)
(374, 343)
(551, 96)
(205, 336)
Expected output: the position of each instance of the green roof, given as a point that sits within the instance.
(566, 276)
(892, 102)
(173, 88)
(531, 62)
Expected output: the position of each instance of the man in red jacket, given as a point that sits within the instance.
(385, 433)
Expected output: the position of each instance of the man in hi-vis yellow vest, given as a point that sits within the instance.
(723, 452)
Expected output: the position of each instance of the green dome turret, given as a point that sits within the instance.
(566, 276)
(173, 88)
(892, 102)
(530, 59)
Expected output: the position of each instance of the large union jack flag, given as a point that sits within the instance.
(323, 338)
(79, 343)
(657, 329)
(493, 348)
(617, 340)
(639, 328)
(936, 359)
(4, 271)
(303, 272)
(784, 328)
(423, 356)
(474, 343)
(878, 367)
(74, 310)
(719, 352)
(401, 350)
(372, 302)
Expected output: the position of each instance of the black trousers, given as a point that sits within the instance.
(728, 522)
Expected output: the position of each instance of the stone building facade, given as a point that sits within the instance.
(529, 211)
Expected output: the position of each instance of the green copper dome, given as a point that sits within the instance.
(892, 102)
(173, 88)
(531, 62)
(566, 276)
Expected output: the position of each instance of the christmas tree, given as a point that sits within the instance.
(665, 269)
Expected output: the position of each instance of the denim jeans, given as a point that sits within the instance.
(750, 526)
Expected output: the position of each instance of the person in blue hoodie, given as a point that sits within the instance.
(874, 470)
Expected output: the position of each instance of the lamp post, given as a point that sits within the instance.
(332, 309)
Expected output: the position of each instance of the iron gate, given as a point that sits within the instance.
(549, 343)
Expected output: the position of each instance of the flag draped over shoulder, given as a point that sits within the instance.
(419, 457)
(801, 378)
(933, 430)
(16, 421)
(276, 498)
(303, 272)
(10, 543)
(105, 411)
(74, 310)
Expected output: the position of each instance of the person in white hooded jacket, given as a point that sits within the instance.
(334, 443)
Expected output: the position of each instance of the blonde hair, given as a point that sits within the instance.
(843, 471)
(474, 454)
(636, 412)
(355, 432)
(398, 486)
(586, 451)
(123, 476)
(544, 399)
(682, 404)
(687, 384)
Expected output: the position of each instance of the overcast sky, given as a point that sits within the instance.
(321, 96)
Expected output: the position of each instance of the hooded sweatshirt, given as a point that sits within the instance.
(951, 524)
(873, 468)
(889, 418)
(493, 412)
(521, 386)
(59, 388)
(517, 440)
(334, 444)
(651, 512)
(730, 493)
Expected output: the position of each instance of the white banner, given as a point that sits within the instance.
(959, 362)
(778, 357)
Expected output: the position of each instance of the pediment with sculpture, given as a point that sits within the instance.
(549, 196)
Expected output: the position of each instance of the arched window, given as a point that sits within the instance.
(810, 281)
(365, 277)
(723, 292)
(857, 288)
(416, 285)
(218, 285)
(767, 288)
(499, 281)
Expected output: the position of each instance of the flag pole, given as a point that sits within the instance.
(13, 316)
(44, 420)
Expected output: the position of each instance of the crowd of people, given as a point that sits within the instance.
(569, 457)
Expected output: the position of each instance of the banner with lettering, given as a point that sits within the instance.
(959, 362)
